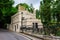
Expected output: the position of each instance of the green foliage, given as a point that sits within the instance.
(6, 11)
(31, 9)
(50, 14)
(27, 7)
(37, 14)
(45, 11)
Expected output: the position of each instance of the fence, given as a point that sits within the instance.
(30, 28)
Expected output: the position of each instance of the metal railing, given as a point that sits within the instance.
(29, 28)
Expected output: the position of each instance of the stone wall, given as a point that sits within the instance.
(29, 19)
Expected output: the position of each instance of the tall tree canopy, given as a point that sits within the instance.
(6, 11)
(50, 16)
(37, 14)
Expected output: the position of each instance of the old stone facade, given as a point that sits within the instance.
(25, 18)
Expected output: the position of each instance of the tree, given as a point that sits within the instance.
(31, 9)
(57, 12)
(27, 7)
(37, 14)
(50, 16)
(56, 15)
(45, 13)
(6, 10)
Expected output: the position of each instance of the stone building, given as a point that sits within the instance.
(25, 18)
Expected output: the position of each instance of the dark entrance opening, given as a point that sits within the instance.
(35, 27)
(36, 24)
(15, 28)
